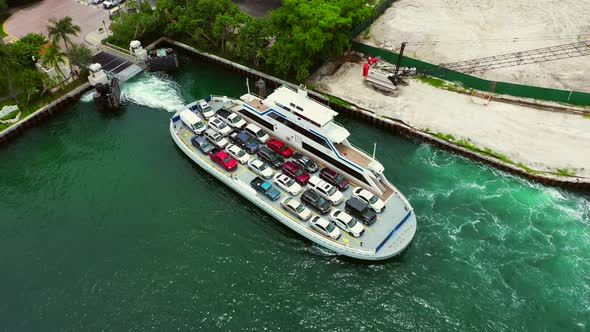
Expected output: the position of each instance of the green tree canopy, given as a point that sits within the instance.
(27, 47)
(52, 57)
(80, 55)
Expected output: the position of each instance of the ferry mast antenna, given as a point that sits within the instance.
(248, 85)
(374, 149)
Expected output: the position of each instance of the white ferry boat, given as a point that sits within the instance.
(308, 127)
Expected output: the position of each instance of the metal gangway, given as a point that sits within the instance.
(544, 54)
(118, 62)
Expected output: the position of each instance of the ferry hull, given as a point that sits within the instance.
(404, 231)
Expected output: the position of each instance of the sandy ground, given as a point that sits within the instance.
(466, 29)
(542, 140)
(35, 18)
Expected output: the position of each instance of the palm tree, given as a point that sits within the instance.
(8, 63)
(53, 56)
(61, 30)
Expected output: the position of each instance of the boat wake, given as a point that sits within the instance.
(154, 90)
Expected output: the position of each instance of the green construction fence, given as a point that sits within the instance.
(517, 90)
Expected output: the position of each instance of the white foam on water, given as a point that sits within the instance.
(87, 97)
(153, 90)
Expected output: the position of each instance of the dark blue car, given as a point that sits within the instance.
(245, 141)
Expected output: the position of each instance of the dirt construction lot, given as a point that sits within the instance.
(542, 140)
(35, 18)
(442, 31)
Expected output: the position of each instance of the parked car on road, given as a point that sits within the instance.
(108, 4)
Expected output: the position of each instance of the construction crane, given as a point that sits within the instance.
(382, 77)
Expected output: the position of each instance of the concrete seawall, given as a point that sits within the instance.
(393, 125)
(42, 113)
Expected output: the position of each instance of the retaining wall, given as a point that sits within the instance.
(43, 113)
(394, 126)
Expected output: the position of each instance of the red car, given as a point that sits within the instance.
(296, 172)
(279, 147)
(223, 159)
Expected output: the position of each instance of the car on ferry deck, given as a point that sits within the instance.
(296, 208)
(291, 169)
(236, 152)
(305, 162)
(231, 119)
(346, 222)
(216, 138)
(205, 109)
(260, 168)
(317, 202)
(325, 190)
(325, 227)
(223, 159)
(279, 147)
(219, 126)
(368, 197)
(334, 178)
(287, 184)
(202, 144)
(257, 132)
(269, 156)
(361, 210)
(245, 140)
(265, 188)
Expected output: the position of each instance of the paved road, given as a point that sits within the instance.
(35, 18)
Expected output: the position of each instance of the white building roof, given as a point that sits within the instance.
(298, 103)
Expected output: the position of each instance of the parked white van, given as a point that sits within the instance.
(193, 122)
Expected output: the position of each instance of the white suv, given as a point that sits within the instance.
(368, 197)
(219, 126)
(216, 138)
(260, 134)
(326, 190)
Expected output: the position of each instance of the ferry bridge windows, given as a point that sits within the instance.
(299, 129)
(357, 175)
(258, 119)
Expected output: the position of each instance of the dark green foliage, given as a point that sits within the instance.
(80, 55)
(292, 39)
(27, 47)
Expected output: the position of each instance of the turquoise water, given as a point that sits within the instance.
(106, 225)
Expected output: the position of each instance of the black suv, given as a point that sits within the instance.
(317, 202)
(304, 162)
(271, 157)
(245, 141)
(361, 210)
